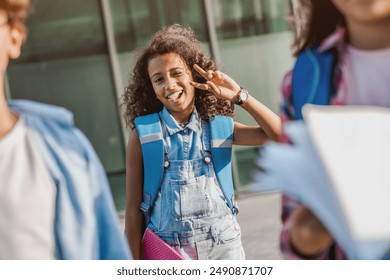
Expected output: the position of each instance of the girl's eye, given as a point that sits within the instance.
(158, 80)
(177, 73)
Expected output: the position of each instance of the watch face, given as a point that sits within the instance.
(243, 96)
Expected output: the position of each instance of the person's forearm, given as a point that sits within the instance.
(134, 233)
(268, 121)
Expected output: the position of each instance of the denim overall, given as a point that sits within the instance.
(191, 213)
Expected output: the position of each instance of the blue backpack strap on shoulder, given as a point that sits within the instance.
(150, 135)
(312, 79)
(221, 130)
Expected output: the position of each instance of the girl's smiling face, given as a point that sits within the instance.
(170, 77)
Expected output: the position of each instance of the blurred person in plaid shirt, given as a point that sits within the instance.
(357, 33)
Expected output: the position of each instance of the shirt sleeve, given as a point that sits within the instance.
(111, 241)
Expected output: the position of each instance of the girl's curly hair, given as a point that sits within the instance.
(139, 98)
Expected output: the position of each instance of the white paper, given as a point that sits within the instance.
(353, 143)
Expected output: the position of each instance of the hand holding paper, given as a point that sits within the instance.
(339, 167)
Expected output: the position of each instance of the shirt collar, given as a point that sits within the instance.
(172, 125)
(334, 40)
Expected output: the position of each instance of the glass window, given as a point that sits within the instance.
(135, 21)
(254, 44)
(118, 190)
(246, 164)
(65, 62)
(240, 18)
(64, 29)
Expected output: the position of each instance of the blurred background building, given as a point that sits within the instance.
(79, 55)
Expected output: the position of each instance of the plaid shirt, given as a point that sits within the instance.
(335, 40)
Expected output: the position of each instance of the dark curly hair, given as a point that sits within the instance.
(139, 98)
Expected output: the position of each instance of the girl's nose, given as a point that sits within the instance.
(171, 84)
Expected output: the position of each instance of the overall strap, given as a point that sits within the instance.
(312, 79)
(150, 135)
(221, 130)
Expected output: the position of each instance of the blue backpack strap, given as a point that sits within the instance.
(312, 79)
(221, 130)
(150, 135)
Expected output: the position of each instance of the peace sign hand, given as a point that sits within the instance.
(220, 84)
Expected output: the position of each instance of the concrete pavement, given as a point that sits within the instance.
(259, 219)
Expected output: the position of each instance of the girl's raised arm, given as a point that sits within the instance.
(224, 87)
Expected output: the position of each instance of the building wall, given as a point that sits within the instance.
(263, 61)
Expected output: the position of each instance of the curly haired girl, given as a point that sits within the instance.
(177, 80)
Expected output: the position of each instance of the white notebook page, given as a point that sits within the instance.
(354, 145)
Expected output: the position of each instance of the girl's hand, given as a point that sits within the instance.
(308, 235)
(220, 84)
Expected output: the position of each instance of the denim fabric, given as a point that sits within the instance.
(191, 213)
(86, 224)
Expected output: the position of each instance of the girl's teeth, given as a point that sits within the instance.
(174, 96)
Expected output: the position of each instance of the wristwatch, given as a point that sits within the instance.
(242, 97)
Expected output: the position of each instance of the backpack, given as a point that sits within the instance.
(151, 138)
(312, 79)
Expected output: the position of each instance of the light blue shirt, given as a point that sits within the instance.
(183, 143)
(86, 224)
